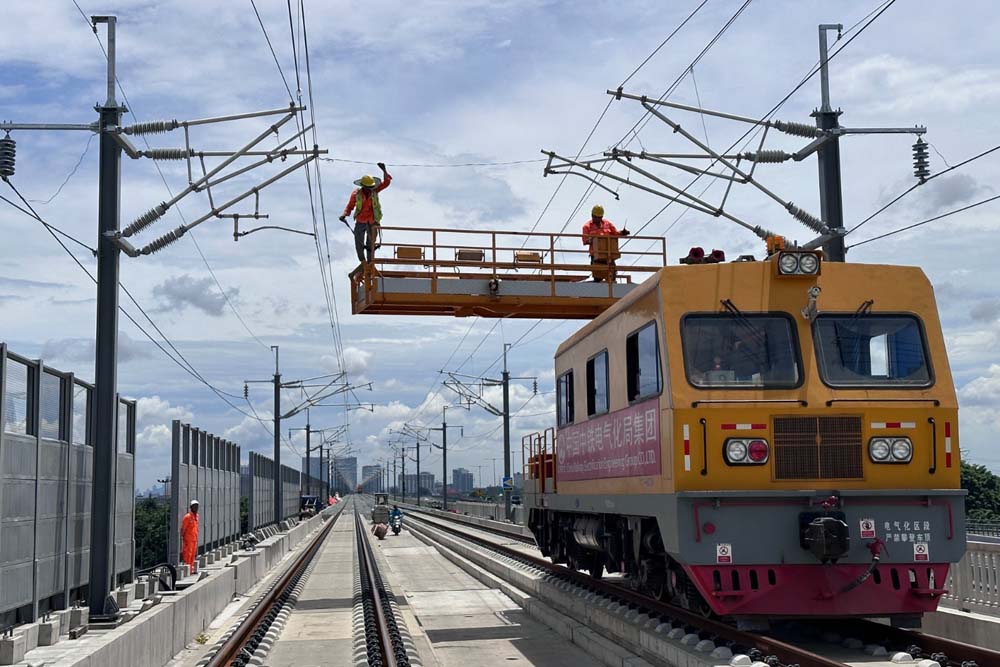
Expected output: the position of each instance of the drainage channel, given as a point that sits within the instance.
(249, 637)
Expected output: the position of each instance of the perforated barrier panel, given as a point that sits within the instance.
(46, 473)
(206, 468)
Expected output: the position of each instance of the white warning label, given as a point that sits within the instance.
(867, 529)
(921, 552)
(724, 553)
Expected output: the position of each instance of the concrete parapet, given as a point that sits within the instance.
(79, 616)
(48, 631)
(64, 620)
(124, 596)
(244, 574)
(30, 633)
(967, 627)
(12, 649)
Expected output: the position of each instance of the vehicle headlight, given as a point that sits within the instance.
(736, 451)
(902, 449)
(741, 451)
(808, 263)
(788, 262)
(878, 449)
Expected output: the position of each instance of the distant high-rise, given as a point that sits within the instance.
(426, 483)
(371, 479)
(345, 474)
(461, 480)
(316, 472)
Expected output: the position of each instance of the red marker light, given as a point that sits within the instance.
(708, 527)
(757, 451)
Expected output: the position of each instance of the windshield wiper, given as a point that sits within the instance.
(762, 354)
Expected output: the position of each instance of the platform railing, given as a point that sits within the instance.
(425, 252)
(982, 528)
(974, 583)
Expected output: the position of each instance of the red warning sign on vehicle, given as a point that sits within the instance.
(724, 553)
(921, 552)
(867, 527)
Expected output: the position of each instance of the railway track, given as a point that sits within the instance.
(238, 647)
(384, 642)
(486, 529)
(775, 652)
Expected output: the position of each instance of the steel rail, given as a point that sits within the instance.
(377, 636)
(231, 650)
(387, 638)
(486, 529)
(786, 653)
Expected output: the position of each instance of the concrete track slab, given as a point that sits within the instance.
(466, 622)
(319, 631)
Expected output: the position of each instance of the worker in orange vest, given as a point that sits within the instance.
(189, 536)
(599, 226)
(367, 211)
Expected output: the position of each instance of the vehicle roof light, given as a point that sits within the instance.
(788, 263)
(798, 263)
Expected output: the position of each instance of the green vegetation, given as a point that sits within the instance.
(152, 526)
(983, 501)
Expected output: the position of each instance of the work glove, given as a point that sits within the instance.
(381, 165)
(624, 232)
(343, 218)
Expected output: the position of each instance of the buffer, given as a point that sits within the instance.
(423, 271)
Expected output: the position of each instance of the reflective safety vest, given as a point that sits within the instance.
(376, 207)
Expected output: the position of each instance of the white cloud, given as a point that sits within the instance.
(890, 84)
(984, 390)
(440, 84)
(356, 360)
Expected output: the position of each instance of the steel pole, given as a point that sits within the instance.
(444, 458)
(309, 470)
(418, 473)
(506, 432)
(102, 535)
(403, 460)
(828, 156)
(277, 438)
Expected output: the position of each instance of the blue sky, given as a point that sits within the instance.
(439, 82)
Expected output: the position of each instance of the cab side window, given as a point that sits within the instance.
(597, 384)
(642, 356)
(564, 398)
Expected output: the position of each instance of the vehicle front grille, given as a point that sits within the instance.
(818, 448)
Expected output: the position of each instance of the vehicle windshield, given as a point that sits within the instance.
(740, 351)
(872, 351)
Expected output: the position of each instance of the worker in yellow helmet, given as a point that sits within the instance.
(367, 211)
(598, 225)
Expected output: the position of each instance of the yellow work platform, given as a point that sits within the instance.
(419, 271)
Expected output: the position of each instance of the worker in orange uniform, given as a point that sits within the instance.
(599, 226)
(189, 537)
(367, 211)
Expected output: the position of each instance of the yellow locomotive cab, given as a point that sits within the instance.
(773, 438)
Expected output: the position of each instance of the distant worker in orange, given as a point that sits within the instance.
(367, 211)
(599, 226)
(189, 537)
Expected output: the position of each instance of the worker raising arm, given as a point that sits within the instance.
(367, 211)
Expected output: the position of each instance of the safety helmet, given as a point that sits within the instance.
(598, 211)
(368, 181)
